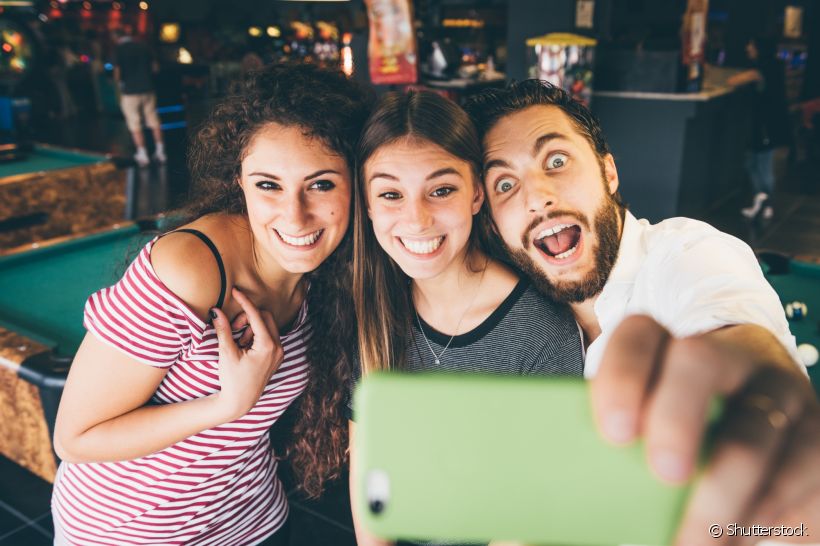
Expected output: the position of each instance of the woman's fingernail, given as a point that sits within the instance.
(619, 426)
(212, 313)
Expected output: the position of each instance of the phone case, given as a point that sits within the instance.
(480, 458)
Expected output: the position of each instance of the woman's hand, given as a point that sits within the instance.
(245, 370)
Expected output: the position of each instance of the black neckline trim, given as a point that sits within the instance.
(223, 282)
(482, 329)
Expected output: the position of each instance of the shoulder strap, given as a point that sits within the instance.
(222, 278)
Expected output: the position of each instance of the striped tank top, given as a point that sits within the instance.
(218, 487)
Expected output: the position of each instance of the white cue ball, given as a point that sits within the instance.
(807, 353)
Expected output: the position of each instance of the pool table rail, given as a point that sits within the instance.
(31, 382)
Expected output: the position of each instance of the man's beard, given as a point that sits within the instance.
(605, 252)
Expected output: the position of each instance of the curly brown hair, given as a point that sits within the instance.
(331, 108)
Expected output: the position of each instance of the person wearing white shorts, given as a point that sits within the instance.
(138, 101)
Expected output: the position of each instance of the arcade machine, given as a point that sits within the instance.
(564, 60)
(17, 55)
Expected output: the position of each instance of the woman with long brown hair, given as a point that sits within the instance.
(430, 289)
(163, 424)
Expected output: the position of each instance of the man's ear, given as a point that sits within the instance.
(611, 174)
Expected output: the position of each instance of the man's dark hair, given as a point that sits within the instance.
(488, 107)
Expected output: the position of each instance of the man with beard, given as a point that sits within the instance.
(672, 314)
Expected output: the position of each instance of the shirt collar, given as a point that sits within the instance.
(631, 251)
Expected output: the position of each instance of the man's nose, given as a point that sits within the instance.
(539, 194)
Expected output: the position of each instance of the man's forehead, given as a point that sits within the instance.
(524, 127)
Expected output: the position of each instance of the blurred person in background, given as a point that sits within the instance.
(134, 74)
(770, 122)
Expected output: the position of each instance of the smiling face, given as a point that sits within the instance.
(551, 198)
(421, 201)
(297, 193)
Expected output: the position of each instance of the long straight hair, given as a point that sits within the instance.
(382, 292)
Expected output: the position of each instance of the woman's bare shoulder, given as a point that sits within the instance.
(189, 268)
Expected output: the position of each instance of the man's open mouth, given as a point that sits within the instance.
(559, 241)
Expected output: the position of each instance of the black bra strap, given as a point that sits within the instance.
(222, 278)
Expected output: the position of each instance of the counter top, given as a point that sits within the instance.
(714, 85)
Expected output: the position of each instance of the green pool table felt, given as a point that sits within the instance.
(44, 158)
(46, 288)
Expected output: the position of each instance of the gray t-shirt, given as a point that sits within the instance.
(526, 335)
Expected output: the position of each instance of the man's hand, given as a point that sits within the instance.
(764, 466)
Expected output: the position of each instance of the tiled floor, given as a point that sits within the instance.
(25, 519)
(25, 516)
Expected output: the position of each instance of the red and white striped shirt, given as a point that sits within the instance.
(218, 487)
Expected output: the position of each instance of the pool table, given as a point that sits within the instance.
(41, 315)
(56, 191)
(798, 279)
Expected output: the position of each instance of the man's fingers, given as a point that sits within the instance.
(620, 387)
(261, 336)
(796, 483)
(227, 346)
(751, 435)
(676, 413)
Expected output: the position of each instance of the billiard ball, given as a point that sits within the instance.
(796, 310)
(807, 353)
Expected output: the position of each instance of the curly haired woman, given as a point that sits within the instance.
(163, 424)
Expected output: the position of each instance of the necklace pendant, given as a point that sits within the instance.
(438, 362)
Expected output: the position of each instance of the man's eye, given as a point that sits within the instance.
(442, 192)
(556, 161)
(322, 185)
(267, 185)
(390, 195)
(504, 185)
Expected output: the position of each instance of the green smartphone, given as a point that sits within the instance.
(480, 458)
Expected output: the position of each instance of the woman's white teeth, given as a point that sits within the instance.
(553, 230)
(422, 247)
(567, 254)
(300, 241)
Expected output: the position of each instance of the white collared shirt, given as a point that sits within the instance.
(691, 278)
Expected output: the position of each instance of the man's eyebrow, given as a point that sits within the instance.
(494, 163)
(536, 149)
(543, 139)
